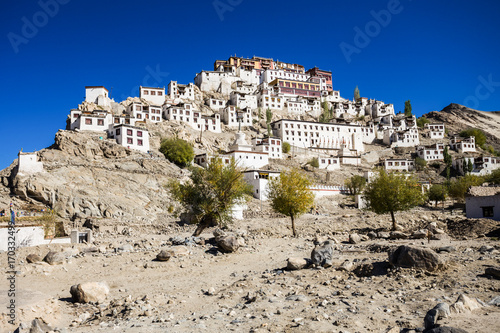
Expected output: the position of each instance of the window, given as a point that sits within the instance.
(139, 134)
(117, 120)
(100, 122)
(88, 121)
(129, 132)
(139, 142)
(130, 141)
(160, 93)
(153, 93)
(487, 211)
(146, 92)
(117, 131)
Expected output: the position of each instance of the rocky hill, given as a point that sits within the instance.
(457, 117)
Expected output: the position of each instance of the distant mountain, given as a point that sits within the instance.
(457, 117)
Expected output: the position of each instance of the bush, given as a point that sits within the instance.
(314, 162)
(422, 121)
(177, 151)
(286, 147)
(459, 187)
(436, 165)
(420, 163)
(437, 193)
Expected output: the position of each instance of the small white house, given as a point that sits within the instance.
(98, 95)
(434, 131)
(259, 179)
(216, 104)
(153, 95)
(97, 120)
(467, 145)
(142, 112)
(131, 137)
(27, 163)
(186, 113)
(232, 116)
(242, 100)
(182, 91)
(431, 153)
(329, 163)
(272, 146)
(483, 202)
(398, 164)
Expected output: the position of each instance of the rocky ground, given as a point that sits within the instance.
(201, 288)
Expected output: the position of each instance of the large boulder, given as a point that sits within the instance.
(322, 254)
(89, 292)
(296, 263)
(32, 258)
(227, 242)
(415, 257)
(493, 271)
(54, 258)
(442, 310)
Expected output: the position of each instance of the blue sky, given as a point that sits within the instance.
(430, 52)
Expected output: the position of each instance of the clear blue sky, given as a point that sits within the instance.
(430, 52)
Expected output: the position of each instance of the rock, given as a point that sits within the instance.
(446, 329)
(419, 234)
(164, 255)
(372, 235)
(414, 257)
(31, 258)
(448, 249)
(495, 301)
(363, 270)
(392, 330)
(54, 258)
(493, 271)
(296, 263)
(124, 248)
(398, 235)
(89, 292)
(354, 238)
(322, 254)
(346, 266)
(486, 248)
(441, 310)
(440, 236)
(225, 241)
(384, 235)
(297, 298)
(465, 304)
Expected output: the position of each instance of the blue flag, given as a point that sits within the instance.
(12, 217)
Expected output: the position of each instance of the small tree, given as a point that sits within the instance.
(290, 195)
(447, 161)
(356, 94)
(355, 184)
(422, 121)
(408, 108)
(286, 147)
(494, 177)
(437, 193)
(211, 193)
(420, 163)
(392, 192)
(470, 166)
(314, 162)
(479, 135)
(177, 151)
(459, 187)
(259, 114)
(269, 118)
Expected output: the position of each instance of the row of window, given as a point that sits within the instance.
(153, 92)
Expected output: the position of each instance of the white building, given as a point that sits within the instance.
(458, 164)
(481, 166)
(97, 120)
(216, 104)
(329, 163)
(142, 112)
(230, 116)
(182, 91)
(431, 153)
(186, 113)
(98, 95)
(153, 95)
(131, 137)
(483, 202)
(266, 100)
(242, 100)
(434, 131)
(398, 164)
(404, 138)
(467, 145)
(272, 74)
(259, 180)
(306, 134)
(272, 146)
(28, 164)
(378, 109)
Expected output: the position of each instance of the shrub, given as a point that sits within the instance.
(477, 133)
(420, 163)
(314, 162)
(177, 151)
(286, 147)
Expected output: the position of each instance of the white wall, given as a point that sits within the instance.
(25, 236)
(153, 95)
(28, 163)
(474, 206)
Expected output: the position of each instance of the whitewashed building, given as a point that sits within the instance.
(322, 135)
(481, 165)
(398, 164)
(182, 91)
(132, 137)
(458, 164)
(229, 116)
(272, 146)
(267, 100)
(97, 120)
(463, 145)
(28, 163)
(434, 131)
(259, 180)
(186, 113)
(142, 112)
(483, 202)
(216, 104)
(329, 163)
(98, 95)
(431, 153)
(153, 95)
(242, 100)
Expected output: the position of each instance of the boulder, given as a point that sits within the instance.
(226, 242)
(322, 254)
(384, 235)
(354, 238)
(346, 266)
(415, 257)
(89, 292)
(446, 329)
(419, 234)
(295, 263)
(372, 235)
(31, 258)
(124, 248)
(440, 236)
(465, 304)
(164, 255)
(441, 310)
(363, 270)
(54, 258)
(398, 235)
(493, 271)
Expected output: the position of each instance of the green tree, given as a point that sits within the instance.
(420, 163)
(286, 147)
(408, 108)
(177, 151)
(437, 193)
(314, 162)
(458, 188)
(355, 184)
(447, 161)
(259, 114)
(327, 114)
(422, 121)
(269, 118)
(290, 195)
(356, 94)
(464, 166)
(210, 193)
(470, 166)
(392, 192)
(494, 177)
(479, 135)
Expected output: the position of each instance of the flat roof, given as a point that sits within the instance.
(96, 87)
